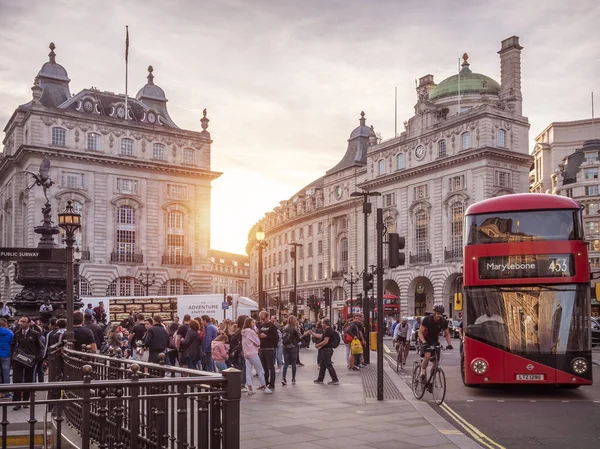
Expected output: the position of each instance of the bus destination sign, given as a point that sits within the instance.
(527, 266)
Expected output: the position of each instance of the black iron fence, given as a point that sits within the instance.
(454, 253)
(169, 259)
(120, 257)
(424, 257)
(118, 403)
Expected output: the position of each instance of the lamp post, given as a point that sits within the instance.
(351, 282)
(294, 255)
(260, 239)
(70, 222)
(366, 211)
(149, 281)
(280, 298)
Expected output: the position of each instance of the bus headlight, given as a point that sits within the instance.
(579, 365)
(479, 366)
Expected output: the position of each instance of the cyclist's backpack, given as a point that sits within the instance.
(336, 339)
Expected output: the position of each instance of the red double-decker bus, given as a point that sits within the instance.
(526, 292)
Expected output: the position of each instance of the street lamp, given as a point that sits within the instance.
(280, 298)
(294, 255)
(149, 281)
(260, 239)
(366, 211)
(70, 222)
(351, 282)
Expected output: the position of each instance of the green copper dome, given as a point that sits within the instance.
(469, 83)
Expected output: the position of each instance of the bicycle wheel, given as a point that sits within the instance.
(439, 386)
(418, 387)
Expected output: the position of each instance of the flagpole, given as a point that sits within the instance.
(593, 127)
(395, 112)
(459, 85)
(126, 69)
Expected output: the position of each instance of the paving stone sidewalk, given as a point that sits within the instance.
(311, 416)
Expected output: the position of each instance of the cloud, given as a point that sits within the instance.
(284, 81)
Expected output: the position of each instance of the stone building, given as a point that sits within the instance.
(230, 272)
(467, 141)
(141, 183)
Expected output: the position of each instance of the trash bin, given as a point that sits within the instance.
(373, 341)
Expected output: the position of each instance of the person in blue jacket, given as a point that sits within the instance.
(210, 333)
(6, 338)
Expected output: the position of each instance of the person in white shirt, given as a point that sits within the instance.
(4, 311)
(46, 307)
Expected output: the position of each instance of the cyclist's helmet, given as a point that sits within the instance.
(439, 308)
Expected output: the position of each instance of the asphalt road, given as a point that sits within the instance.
(517, 417)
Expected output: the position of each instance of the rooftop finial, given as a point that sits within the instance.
(362, 118)
(52, 55)
(465, 65)
(150, 75)
(204, 120)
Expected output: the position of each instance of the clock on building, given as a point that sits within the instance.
(338, 192)
(121, 112)
(88, 106)
(420, 152)
(151, 117)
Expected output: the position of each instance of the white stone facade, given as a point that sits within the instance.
(456, 150)
(142, 185)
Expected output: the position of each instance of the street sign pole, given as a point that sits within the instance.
(379, 304)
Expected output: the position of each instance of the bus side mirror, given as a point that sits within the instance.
(458, 302)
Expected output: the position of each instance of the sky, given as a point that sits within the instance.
(284, 81)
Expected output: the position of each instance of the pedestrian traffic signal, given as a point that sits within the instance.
(327, 296)
(458, 302)
(367, 281)
(317, 305)
(395, 244)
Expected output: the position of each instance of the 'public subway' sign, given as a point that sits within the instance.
(527, 266)
(20, 254)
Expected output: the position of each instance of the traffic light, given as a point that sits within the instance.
(458, 302)
(327, 296)
(317, 305)
(292, 299)
(395, 244)
(311, 302)
(367, 281)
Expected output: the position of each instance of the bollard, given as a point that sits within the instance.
(373, 341)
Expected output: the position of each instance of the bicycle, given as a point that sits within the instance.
(401, 355)
(435, 384)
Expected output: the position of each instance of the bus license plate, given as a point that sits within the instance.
(530, 377)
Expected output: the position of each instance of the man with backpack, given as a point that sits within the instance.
(329, 342)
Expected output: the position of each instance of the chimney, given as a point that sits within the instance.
(424, 87)
(510, 74)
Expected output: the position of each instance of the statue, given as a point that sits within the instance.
(42, 178)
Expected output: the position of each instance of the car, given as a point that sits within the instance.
(454, 325)
(595, 332)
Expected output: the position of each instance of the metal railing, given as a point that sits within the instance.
(168, 259)
(455, 253)
(337, 274)
(424, 257)
(126, 257)
(118, 403)
(85, 254)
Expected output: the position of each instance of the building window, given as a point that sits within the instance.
(466, 140)
(127, 186)
(591, 190)
(59, 137)
(175, 287)
(568, 193)
(591, 156)
(442, 148)
(158, 152)
(94, 142)
(400, 161)
(320, 247)
(300, 274)
(457, 183)
(310, 230)
(458, 211)
(591, 209)
(310, 249)
(590, 173)
(594, 227)
(292, 235)
(125, 286)
(502, 179)
(343, 223)
(381, 165)
(177, 192)
(344, 255)
(320, 271)
(320, 227)
(126, 237)
(301, 233)
(189, 156)
(501, 138)
(285, 255)
(310, 273)
(85, 287)
(301, 252)
(71, 180)
(596, 245)
(279, 240)
(389, 199)
(421, 233)
(421, 192)
(127, 147)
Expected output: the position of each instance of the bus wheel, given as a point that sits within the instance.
(462, 372)
(569, 386)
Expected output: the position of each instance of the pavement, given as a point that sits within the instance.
(311, 416)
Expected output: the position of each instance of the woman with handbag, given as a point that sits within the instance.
(27, 352)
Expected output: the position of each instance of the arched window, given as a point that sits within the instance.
(421, 233)
(457, 211)
(400, 161)
(175, 287)
(85, 287)
(126, 234)
(59, 137)
(127, 147)
(442, 148)
(501, 138)
(94, 142)
(158, 152)
(381, 167)
(466, 140)
(344, 255)
(125, 286)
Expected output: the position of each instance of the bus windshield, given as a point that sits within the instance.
(531, 319)
(523, 226)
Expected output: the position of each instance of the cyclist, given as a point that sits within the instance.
(429, 333)
(401, 336)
